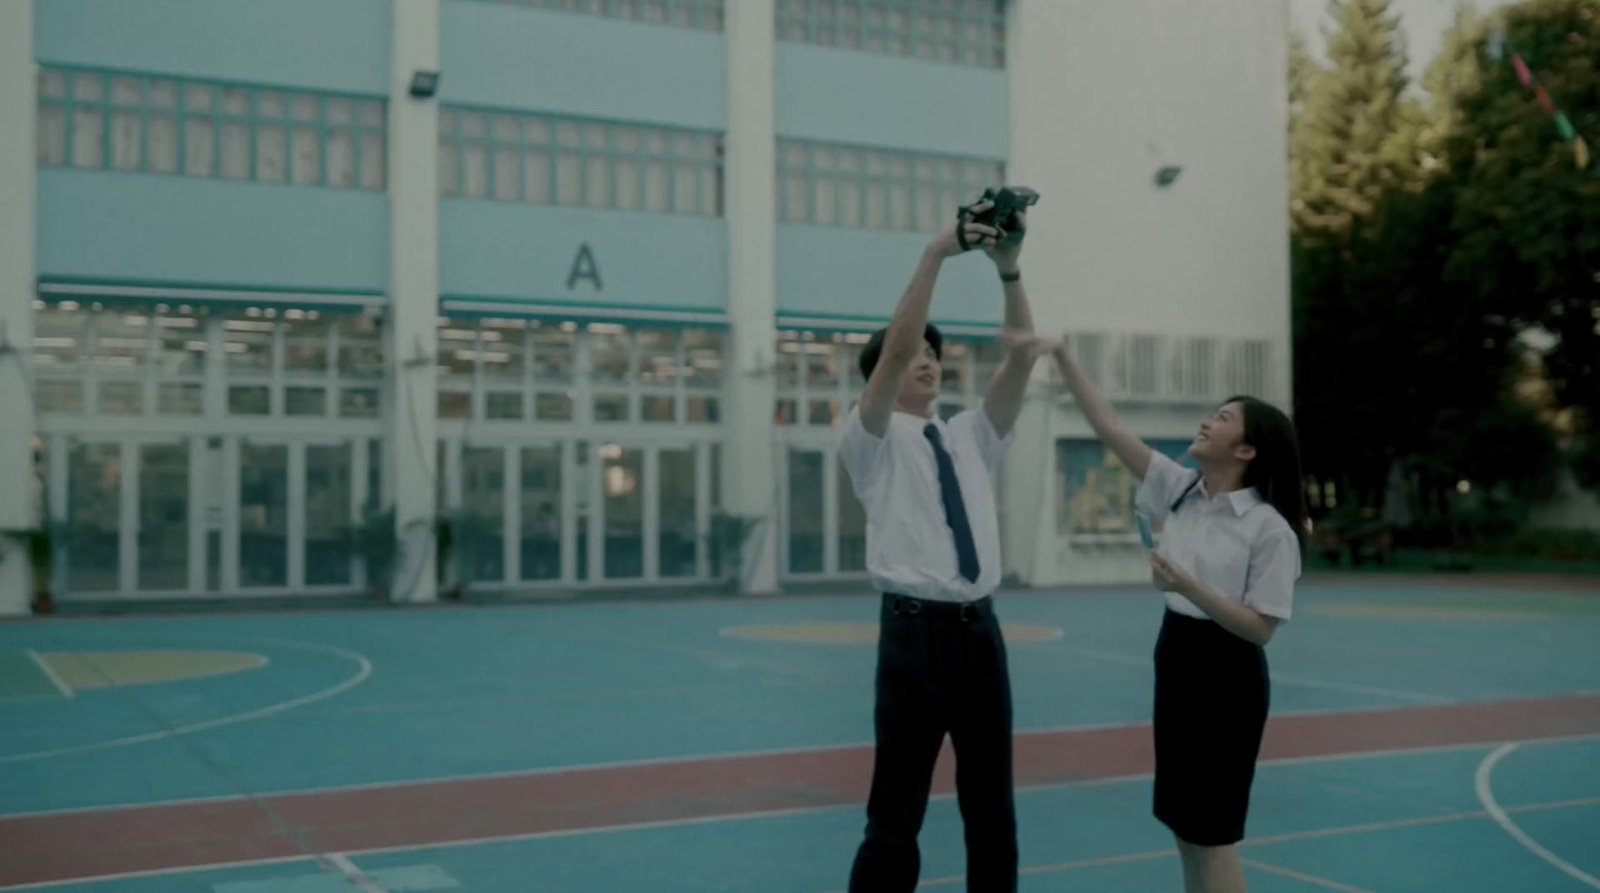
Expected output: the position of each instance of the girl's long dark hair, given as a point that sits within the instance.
(1275, 471)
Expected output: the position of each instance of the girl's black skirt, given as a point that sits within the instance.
(1212, 693)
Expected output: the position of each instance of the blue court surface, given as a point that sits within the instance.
(1427, 737)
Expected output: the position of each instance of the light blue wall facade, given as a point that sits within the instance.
(97, 225)
(144, 228)
(525, 253)
(869, 99)
(849, 274)
(849, 96)
(518, 58)
(329, 44)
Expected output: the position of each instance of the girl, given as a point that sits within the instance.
(1230, 555)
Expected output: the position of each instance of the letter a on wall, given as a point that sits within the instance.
(584, 267)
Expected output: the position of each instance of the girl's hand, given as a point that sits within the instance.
(1169, 576)
(1024, 343)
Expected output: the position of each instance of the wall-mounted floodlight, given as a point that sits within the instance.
(424, 84)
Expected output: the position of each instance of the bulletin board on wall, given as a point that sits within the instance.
(1094, 490)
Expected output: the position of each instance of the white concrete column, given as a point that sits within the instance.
(1028, 525)
(413, 297)
(749, 485)
(19, 493)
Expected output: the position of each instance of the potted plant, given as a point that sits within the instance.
(725, 544)
(471, 545)
(379, 547)
(38, 545)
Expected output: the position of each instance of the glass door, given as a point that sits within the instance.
(678, 525)
(852, 529)
(164, 514)
(93, 552)
(478, 527)
(540, 486)
(329, 501)
(623, 485)
(263, 506)
(576, 512)
(291, 523)
(824, 527)
(805, 534)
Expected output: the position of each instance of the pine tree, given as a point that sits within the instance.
(1454, 75)
(1346, 143)
(1303, 69)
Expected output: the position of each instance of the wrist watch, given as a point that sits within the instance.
(1011, 277)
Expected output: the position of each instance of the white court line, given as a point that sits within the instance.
(307, 858)
(798, 811)
(1129, 660)
(1486, 797)
(353, 873)
(1396, 693)
(1299, 876)
(1341, 831)
(1066, 866)
(49, 671)
(364, 670)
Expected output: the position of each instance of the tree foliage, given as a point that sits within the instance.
(1527, 218)
(1430, 229)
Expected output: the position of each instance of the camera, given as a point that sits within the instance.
(1009, 201)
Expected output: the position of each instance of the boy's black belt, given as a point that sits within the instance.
(960, 612)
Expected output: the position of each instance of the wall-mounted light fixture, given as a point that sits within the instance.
(424, 84)
(1168, 175)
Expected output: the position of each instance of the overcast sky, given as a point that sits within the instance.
(1423, 21)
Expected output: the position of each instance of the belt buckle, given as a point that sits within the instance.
(969, 612)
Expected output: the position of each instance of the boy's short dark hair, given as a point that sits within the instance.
(874, 348)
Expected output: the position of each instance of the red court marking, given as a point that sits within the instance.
(144, 838)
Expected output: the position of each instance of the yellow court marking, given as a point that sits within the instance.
(103, 669)
(825, 633)
(1425, 612)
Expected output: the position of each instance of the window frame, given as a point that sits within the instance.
(699, 11)
(801, 21)
(218, 117)
(966, 186)
(453, 138)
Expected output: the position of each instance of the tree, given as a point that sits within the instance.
(1400, 360)
(1303, 73)
(1303, 69)
(1451, 77)
(1341, 167)
(1528, 219)
(1351, 110)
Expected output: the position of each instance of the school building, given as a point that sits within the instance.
(568, 294)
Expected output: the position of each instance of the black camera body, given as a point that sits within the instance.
(1009, 201)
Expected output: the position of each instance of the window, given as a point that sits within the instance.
(118, 350)
(654, 374)
(819, 378)
(961, 32)
(560, 161)
(837, 185)
(152, 124)
(156, 360)
(703, 14)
